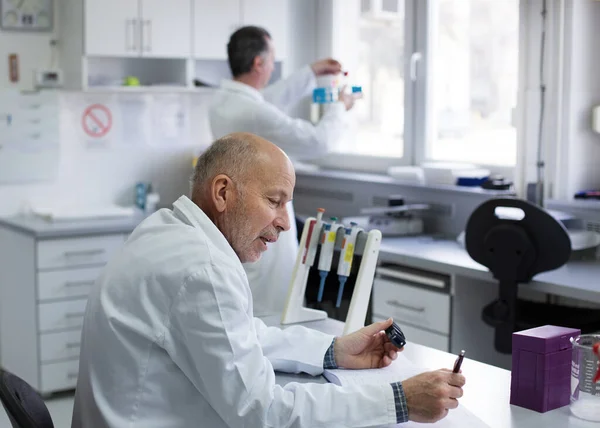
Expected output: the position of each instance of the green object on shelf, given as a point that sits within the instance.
(131, 81)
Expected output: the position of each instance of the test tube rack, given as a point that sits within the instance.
(367, 245)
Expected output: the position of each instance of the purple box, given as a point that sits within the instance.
(541, 367)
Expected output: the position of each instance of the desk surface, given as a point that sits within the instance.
(486, 394)
(44, 229)
(576, 279)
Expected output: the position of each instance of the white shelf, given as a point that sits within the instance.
(149, 89)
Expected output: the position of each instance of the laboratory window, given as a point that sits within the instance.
(440, 78)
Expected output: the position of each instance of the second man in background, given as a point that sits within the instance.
(247, 104)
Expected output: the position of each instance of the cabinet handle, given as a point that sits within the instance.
(71, 315)
(72, 375)
(127, 24)
(79, 283)
(134, 46)
(130, 35)
(147, 33)
(397, 304)
(83, 253)
(72, 345)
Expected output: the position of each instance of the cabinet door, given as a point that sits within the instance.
(166, 28)
(272, 15)
(214, 22)
(112, 28)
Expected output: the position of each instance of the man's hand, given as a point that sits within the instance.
(347, 98)
(367, 348)
(326, 66)
(430, 394)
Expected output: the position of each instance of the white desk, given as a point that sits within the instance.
(576, 279)
(486, 394)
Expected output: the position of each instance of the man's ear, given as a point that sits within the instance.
(222, 192)
(257, 63)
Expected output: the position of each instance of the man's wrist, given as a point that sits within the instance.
(400, 403)
(329, 358)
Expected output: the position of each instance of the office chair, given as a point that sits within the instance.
(23, 404)
(515, 249)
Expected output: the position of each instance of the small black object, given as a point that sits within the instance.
(588, 194)
(395, 200)
(458, 362)
(395, 335)
(201, 84)
(496, 182)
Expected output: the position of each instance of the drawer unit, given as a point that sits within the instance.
(422, 337)
(60, 346)
(59, 376)
(63, 284)
(61, 315)
(47, 271)
(72, 252)
(418, 301)
(416, 306)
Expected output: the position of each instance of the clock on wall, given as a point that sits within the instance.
(26, 15)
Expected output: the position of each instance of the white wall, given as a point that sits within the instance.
(108, 176)
(581, 145)
(33, 50)
(571, 150)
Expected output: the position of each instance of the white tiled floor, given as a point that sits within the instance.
(60, 407)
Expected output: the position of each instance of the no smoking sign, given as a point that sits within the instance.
(96, 120)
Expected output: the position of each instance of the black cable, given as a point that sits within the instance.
(540, 161)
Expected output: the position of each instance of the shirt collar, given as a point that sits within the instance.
(235, 86)
(191, 214)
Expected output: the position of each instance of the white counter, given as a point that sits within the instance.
(486, 394)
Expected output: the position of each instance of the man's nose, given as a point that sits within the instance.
(282, 221)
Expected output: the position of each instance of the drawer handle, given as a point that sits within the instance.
(75, 315)
(79, 283)
(84, 253)
(72, 345)
(72, 375)
(397, 304)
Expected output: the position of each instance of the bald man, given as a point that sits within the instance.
(170, 340)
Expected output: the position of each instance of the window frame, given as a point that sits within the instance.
(423, 41)
(417, 34)
(360, 162)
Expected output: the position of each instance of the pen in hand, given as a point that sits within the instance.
(459, 361)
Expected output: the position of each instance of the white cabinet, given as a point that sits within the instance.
(44, 285)
(166, 28)
(162, 43)
(272, 15)
(112, 27)
(214, 22)
(130, 28)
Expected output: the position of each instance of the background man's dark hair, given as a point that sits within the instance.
(244, 45)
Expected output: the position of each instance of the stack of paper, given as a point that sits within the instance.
(400, 370)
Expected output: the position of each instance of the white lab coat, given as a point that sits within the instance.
(169, 340)
(238, 107)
